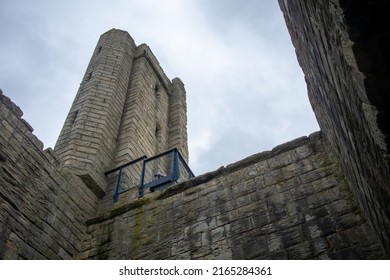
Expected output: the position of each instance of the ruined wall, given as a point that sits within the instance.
(342, 47)
(42, 211)
(290, 203)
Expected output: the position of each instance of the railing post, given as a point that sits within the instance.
(175, 166)
(188, 169)
(118, 182)
(141, 183)
(174, 175)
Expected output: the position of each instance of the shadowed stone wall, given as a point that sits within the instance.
(343, 49)
(42, 210)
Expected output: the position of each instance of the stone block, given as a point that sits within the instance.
(274, 242)
(318, 228)
(291, 237)
(295, 207)
(337, 241)
(285, 184)
(303, 152)
(322, 198)
(218, 234)
(347, 221)
(300, 252)
(201, 226)
(250, 249)
(279, 161)
(162, 254)
(261, 219)
(241, 225)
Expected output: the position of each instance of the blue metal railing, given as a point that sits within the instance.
(152, 174)
(163, 180)
(119, 178)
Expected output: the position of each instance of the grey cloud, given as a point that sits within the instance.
(245, 91)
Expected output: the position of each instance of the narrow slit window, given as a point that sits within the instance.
(73, 117)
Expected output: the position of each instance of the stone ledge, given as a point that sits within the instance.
(121, 210)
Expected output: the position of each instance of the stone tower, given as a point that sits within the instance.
(126, 107)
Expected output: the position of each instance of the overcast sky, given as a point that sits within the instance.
(245, 90)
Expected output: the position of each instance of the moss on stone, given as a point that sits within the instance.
(136, 234)
(347, 192)
(121, 210)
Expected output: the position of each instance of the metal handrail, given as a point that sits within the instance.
(173, 177)
(125, 165)
(118, 180)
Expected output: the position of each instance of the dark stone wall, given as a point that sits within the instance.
(343, 49)
(42, 210)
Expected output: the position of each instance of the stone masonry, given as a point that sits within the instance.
(42, 210)
(343, 49)
(325, 196)
(289, 203)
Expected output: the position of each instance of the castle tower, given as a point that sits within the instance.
(125, 108)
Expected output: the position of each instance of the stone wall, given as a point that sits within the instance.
(42, 210)
(290, 203)
(342, 47)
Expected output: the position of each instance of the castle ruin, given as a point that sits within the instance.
(325, 196)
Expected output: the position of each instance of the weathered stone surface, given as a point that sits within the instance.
(342, 47)
(42, 212)
(224, 215)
